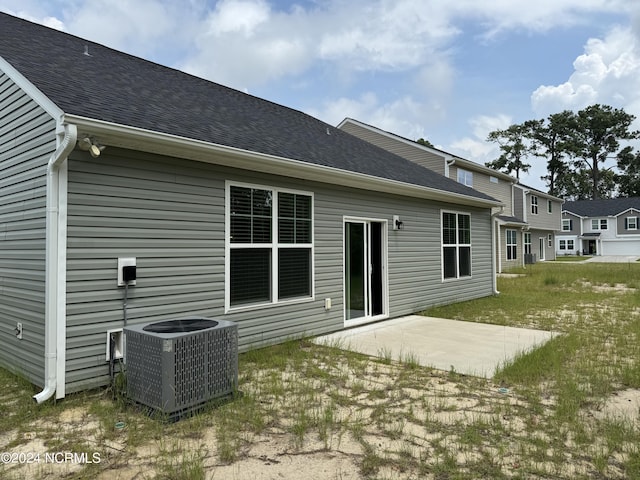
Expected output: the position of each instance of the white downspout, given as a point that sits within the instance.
(69, 134)
(495, 249)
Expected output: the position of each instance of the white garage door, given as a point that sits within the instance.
(617, 247)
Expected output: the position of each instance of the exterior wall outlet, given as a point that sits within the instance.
(118, 339)
(19, 331)
(125, 262)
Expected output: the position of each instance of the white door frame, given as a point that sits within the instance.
(367, 261)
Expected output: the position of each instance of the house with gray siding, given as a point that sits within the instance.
(229, 206)
(527, 220)
(600, 227)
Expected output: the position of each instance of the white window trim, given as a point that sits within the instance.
(600, 222)
(568, 220)
(457, 245)
(507, 244)
(635, 219)
(467, 177)
(549, 207)
(549, 240)
(534, 203)
(274, 245)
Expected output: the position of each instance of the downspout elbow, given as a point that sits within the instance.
(69, 134)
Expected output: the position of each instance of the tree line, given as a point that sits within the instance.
(584, 152)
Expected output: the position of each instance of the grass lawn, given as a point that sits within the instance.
(321, 412)
(571, 258)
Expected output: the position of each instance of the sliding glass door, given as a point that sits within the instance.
(364, 270)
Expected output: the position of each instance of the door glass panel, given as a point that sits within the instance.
(355, 270)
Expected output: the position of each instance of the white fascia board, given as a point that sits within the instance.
(181, 147)
(31, 90)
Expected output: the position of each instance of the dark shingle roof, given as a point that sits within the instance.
(112, 86)
(601, 207)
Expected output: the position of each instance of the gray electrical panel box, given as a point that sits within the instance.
(176, 366)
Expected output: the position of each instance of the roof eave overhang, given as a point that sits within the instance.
(171, 145)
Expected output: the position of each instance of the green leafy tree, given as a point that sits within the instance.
(598, 132)
(515, 147)
(553, 140)
(629, 178)
(424, 142)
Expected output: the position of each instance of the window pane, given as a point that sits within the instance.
(303, 207)
(464, 261)
(449, 260)
(303, 231)
(240, 229)
(294, 216)
(286, 205)
(261, 202)
(449, 228)
(286, 230)
(261, 230)
(240, 201)
(294, 272)
(250, 275)
(464, 226)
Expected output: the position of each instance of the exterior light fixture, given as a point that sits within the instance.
(89, 144)
(397, 223)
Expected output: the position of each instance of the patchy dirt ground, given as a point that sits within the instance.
(327, 418)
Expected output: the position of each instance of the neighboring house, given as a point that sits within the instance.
(526, 222)
(600, 227)
(230, 206)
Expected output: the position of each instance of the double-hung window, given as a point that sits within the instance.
(599, 224)
(465, 177)
(534, 204)
(527, 242)
(270, 245)
(512, 245)
(631, 223)
(567, 225)
(456, 245)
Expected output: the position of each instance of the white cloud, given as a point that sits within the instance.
(244, 16)
(476, 148)
(608, 72)
(403, 116)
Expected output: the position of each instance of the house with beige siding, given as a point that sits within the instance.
(229, 206)
(525, 223)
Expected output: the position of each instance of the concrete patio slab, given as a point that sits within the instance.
(469, 348)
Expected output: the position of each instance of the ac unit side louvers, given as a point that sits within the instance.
(176, 366)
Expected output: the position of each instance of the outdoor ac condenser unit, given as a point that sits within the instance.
(178, 365)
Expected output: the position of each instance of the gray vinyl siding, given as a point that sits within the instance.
(170, 213)
(413, 152)
(544, 219)
(27, 140)
(481, 182)
(621, 223)
(575, 224)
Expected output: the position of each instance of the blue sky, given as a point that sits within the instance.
(448, 71)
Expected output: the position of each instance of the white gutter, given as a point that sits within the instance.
(181, 147)
(55, 325)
